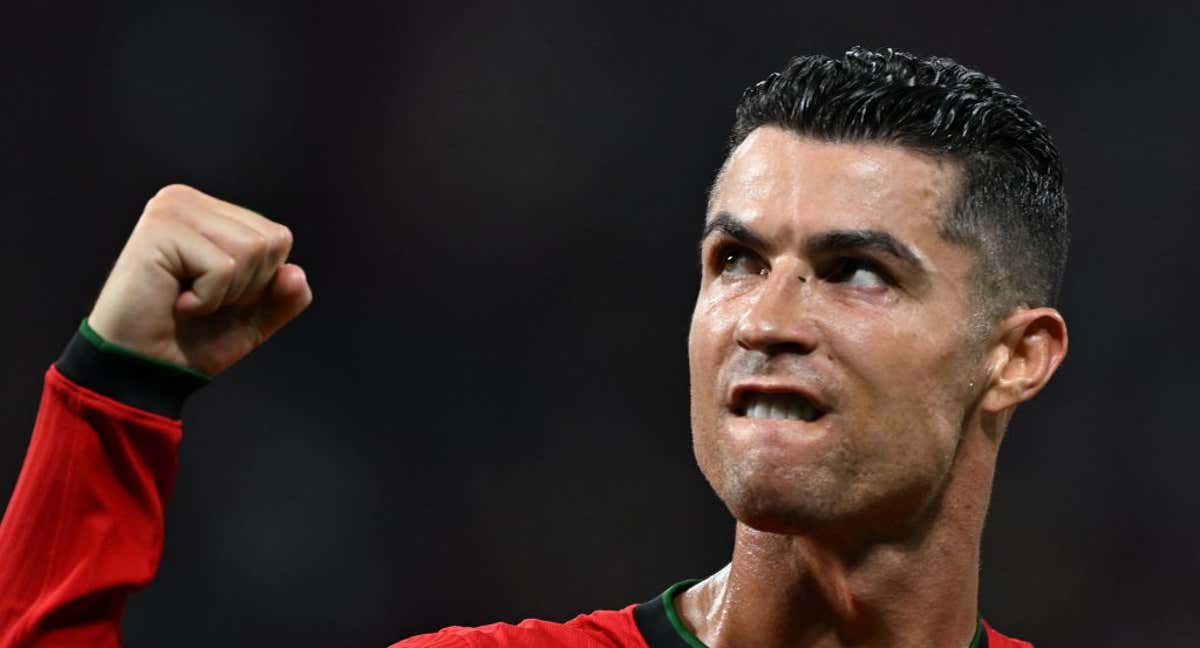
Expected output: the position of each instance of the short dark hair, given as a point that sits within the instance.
(1011, 209)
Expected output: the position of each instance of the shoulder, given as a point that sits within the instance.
(997, 640)
(601, 629)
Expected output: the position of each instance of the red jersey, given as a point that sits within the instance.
(84, 527)
(653, 624)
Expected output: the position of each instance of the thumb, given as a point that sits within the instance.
(285, 297)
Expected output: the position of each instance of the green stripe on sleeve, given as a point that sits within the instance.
(105, 346)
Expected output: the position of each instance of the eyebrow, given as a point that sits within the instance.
(821, 243)
(725, 223)
(859, 239)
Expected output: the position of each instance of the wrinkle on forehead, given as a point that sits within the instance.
(788, 186)
(868, 184)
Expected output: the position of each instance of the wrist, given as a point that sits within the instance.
(97, 340)
(127, 376)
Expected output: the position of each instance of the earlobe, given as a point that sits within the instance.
(1032, 344)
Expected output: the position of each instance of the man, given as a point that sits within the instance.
(880, 261)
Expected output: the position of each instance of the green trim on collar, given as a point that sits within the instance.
(977, 640)
(668, 599)
(105, 346)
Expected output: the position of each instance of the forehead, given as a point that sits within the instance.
(778, 178)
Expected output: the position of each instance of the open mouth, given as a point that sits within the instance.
(777, 406)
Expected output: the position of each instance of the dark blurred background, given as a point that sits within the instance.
(484, 414)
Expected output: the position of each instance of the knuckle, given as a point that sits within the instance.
(225, 268)
(247, 248)
(255, 246)
(157, 212)
(168, 197)
(175, 190)
(283, 237)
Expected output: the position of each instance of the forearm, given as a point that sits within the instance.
(84, 526)
(199, 284)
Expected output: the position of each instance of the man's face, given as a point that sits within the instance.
(832, 356)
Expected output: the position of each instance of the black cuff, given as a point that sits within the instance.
(145, 385)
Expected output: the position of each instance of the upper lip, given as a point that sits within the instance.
(739, 390)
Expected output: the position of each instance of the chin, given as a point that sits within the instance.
(789, 522)
(826, 508)
(786, 506)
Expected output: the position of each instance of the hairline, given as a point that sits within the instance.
(987, 304)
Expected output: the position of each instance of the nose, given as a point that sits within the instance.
(779, 319)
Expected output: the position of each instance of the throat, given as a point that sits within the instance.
(788, 591)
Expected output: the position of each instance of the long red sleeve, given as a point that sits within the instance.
(84, 526)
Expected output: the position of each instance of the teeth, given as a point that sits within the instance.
(790, 407)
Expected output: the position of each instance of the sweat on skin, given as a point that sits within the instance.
(825, 277)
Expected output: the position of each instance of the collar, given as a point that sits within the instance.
(661, 626)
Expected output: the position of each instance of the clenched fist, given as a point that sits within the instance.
(200, 283)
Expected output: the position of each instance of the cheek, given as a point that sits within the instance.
(907, 351)
(708, 334)
(912, 379)
(699, 352)
(709, 337)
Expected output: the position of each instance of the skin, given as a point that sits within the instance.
(862, 527)
(824, 275)
(200, 283)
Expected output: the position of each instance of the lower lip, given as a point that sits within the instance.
(786, 430)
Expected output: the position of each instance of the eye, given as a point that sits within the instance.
(859, 273)
(738, 261)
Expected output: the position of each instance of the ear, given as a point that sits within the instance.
(1027, 349)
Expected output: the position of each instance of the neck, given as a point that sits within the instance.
(805, 590)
